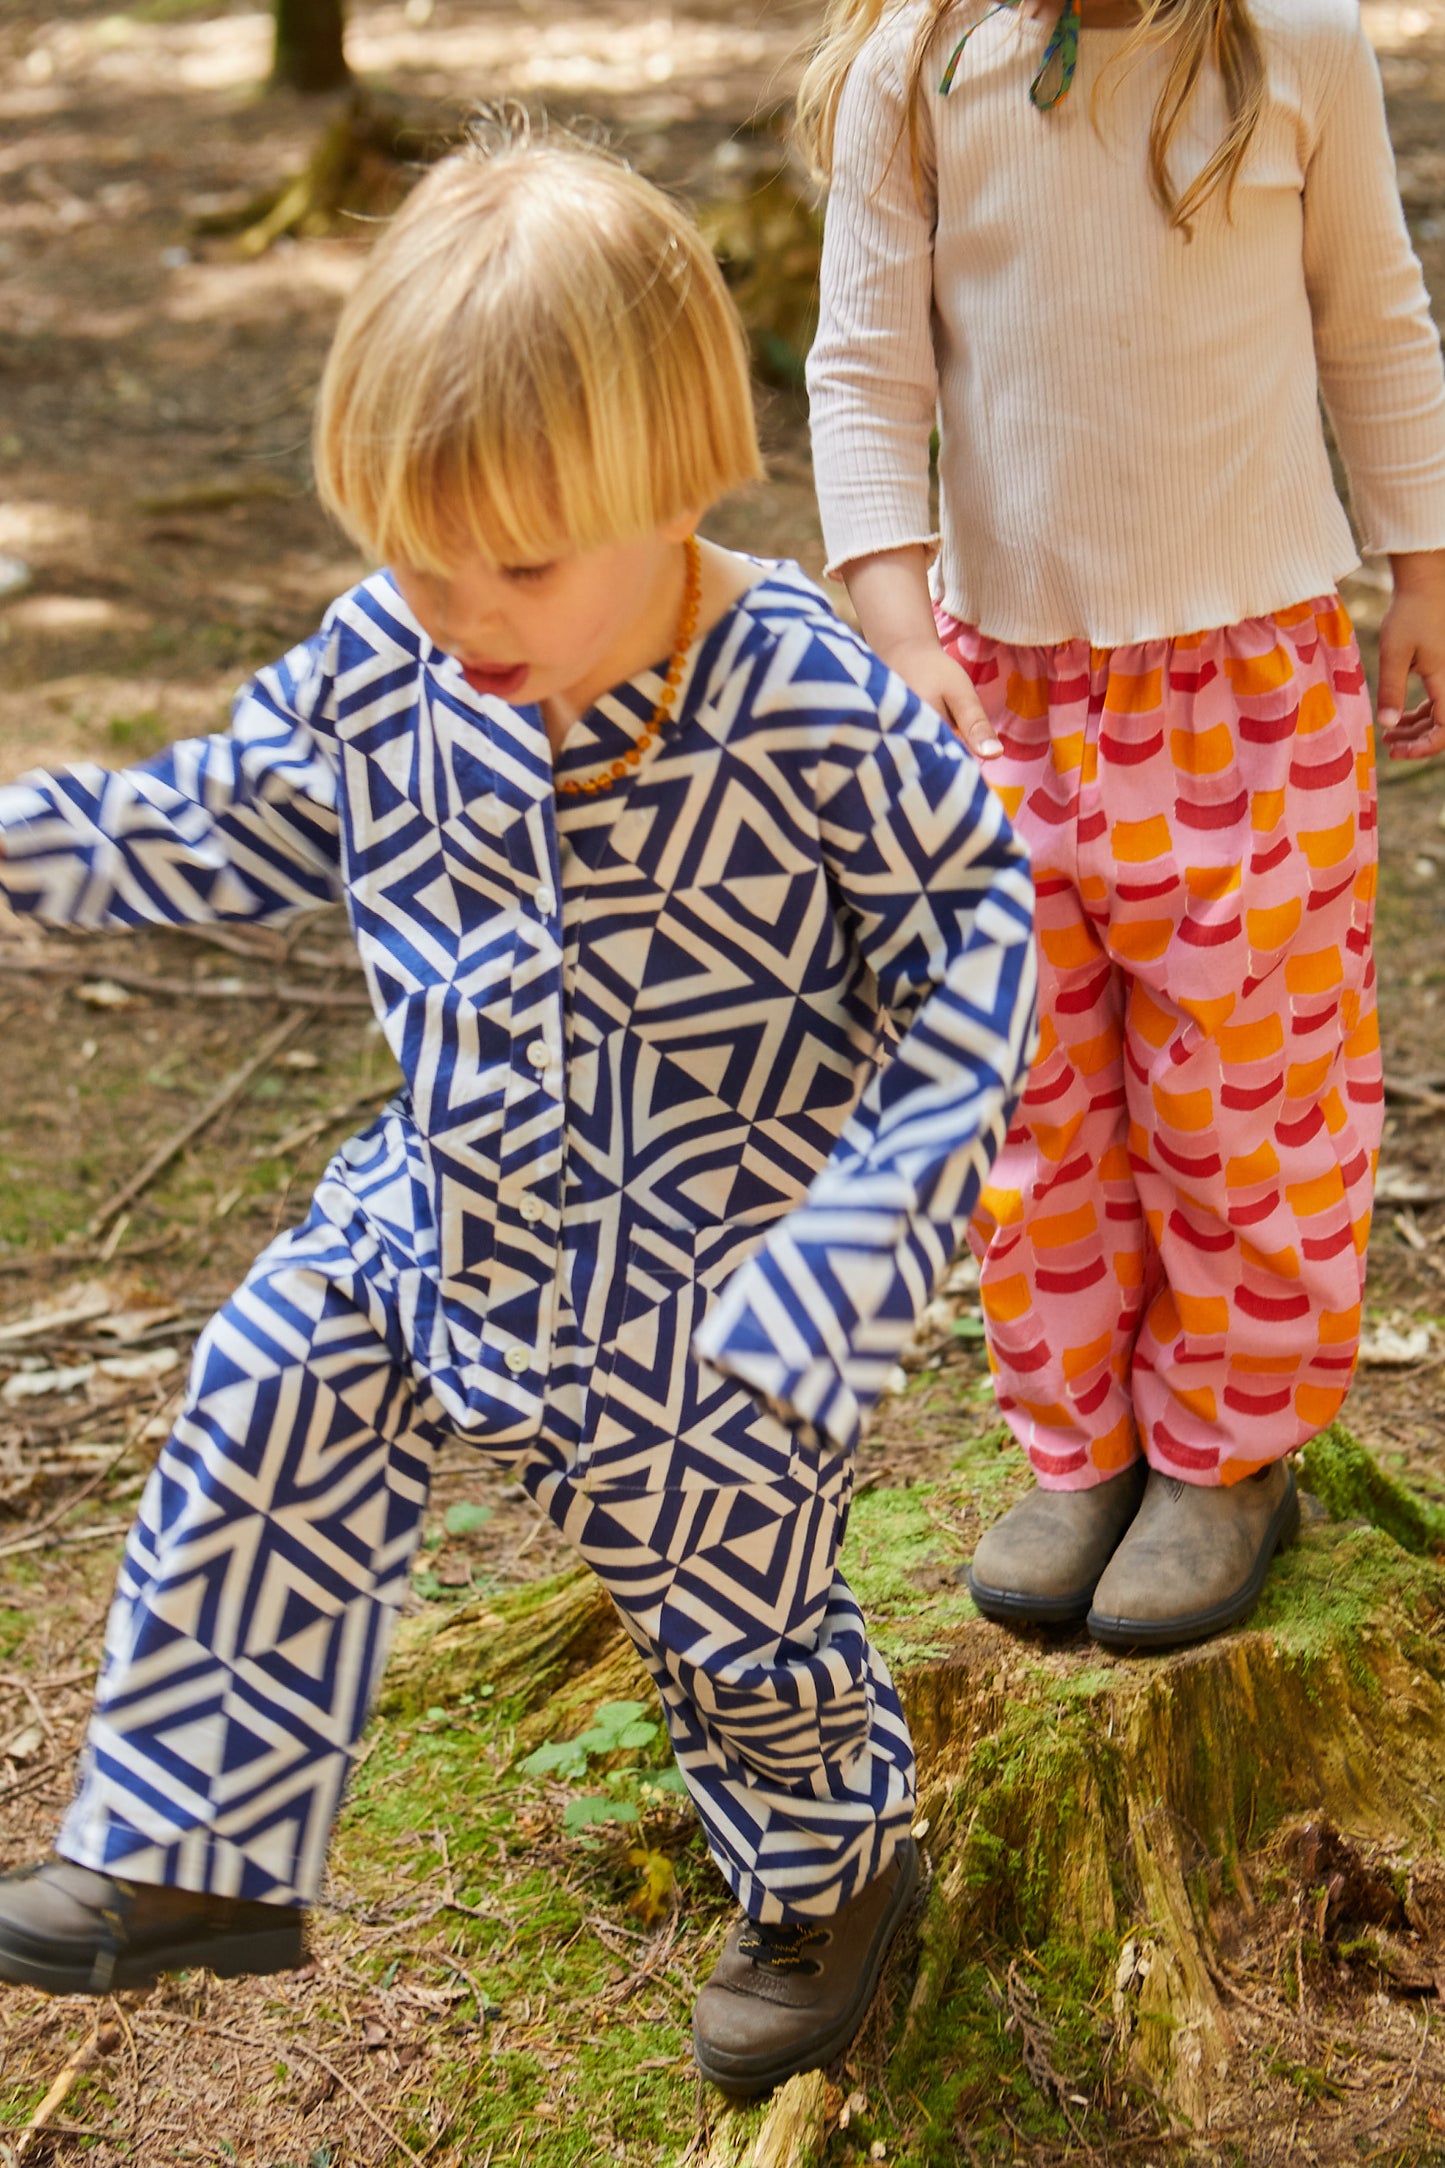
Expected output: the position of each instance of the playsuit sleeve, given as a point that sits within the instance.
(935, 890)
(872, 372)
(239, 826)
(1376, 346)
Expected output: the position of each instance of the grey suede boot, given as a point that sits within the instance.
(1194, 1560)
(1043, 1559)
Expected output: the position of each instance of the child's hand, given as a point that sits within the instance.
(947, 686)
(1412, 637)
(895, 609)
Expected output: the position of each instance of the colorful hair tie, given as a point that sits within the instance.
(1056, 71)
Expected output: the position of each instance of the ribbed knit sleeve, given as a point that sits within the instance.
(1377, 348)
(872, 378)
(1130, 438)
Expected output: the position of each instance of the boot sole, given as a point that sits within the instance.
(1168, 1633)
(749, 2081)
(271, 1949)
(1008, 1607)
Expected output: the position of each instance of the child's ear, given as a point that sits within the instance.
(681, 525)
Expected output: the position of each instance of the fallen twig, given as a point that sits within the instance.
(1413, 1095)
(215, 496)
(55, 1684)
(317, 1124)
(217, 1104)
(102, 2039)
(53, 1542)
(93, 1303)
(143, 982)
(32, 1776)
(1401, 2100)
(257, 944)
(65, 1255)
(1361, 2045)
(69, 1505)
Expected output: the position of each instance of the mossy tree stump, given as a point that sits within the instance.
(1087, 1815)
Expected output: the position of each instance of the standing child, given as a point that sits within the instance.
(1118, 254)
(710, 980)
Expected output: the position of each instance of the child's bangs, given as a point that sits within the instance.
(513, 504)
(501, 507)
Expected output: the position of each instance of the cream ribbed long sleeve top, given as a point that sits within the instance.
(1130, 432)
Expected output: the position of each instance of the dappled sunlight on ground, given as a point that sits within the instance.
(612, 48)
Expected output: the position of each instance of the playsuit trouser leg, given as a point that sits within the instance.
(271, 1553)
(1173, 1236)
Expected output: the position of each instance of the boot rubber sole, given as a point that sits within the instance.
(1168, 1633)
(750, 2079)
(64, 1972)
(1012, 1607)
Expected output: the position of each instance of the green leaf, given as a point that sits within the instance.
(969, 1328)
(438, 1716)
(564, 1757)
(668, 1780)
(597, 1807)
(464, 1517)
(638, 1735)
(615, 1716)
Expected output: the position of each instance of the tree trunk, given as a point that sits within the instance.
(308, 53)
(1100, 1828)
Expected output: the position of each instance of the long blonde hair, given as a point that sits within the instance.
(1193, 33)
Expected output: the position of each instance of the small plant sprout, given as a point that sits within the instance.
(620, 1727)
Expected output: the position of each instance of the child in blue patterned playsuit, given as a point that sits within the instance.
(710, 983)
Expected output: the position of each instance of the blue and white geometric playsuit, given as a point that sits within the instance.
(702, 1076)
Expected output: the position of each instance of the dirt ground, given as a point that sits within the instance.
(158, 539)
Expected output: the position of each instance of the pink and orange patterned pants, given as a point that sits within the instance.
(1172, 1244)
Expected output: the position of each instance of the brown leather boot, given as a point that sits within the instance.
(790, 1997)
(1194, 1559)
(1042, 1560)
(73, 1932)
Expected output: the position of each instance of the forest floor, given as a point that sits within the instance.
(157, 540)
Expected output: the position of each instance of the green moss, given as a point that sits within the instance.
(990, 1469)
(903, 1559)
(1325, 1598)
(974, 2073)
(135, 737)
(587, 2071)
(36, 1210)
(902, 1567)
(1353, 1486)
(1042, 1751)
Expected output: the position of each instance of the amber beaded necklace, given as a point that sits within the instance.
(686, 630)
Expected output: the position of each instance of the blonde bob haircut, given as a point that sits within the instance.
(540, 358)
